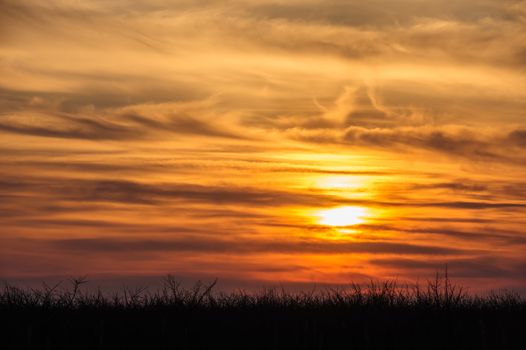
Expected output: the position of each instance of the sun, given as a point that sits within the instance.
(342, 216)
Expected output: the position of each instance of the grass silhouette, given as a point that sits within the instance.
(380, 315)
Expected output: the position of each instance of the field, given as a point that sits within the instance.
(437, 315)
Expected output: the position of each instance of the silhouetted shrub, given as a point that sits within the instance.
(381, 315)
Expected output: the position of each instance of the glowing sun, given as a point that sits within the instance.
(342, 216)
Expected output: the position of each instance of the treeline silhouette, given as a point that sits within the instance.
(380, 315)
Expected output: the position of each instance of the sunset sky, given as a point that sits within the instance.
(263, 142)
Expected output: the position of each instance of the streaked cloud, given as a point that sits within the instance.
(161, 135)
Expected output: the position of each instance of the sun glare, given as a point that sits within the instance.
(342, 216)
(340, 182)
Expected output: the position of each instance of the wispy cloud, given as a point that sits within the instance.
(249, 246)
(202, 128)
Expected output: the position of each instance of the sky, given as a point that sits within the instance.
(264, 141)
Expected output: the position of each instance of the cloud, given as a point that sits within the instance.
(252, 246)
(162, 61)
(459, 185)
(518, 137)
(485, 266)
(131, 192)
(461, 142)
(188, 125)
(74, 128)
(114, 124)
(134, 130)
(134, 192)
(486, 234)
(452, 220)
(167, 165)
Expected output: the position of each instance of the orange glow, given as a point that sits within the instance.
(340, 182)
(237, 139)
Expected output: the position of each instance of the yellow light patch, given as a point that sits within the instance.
(343, 216)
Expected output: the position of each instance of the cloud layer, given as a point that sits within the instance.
(152, 136)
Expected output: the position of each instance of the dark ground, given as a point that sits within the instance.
(380, 316)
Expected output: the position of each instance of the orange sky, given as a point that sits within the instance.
(264, 141)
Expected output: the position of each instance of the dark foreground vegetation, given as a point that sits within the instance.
(378, 316)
